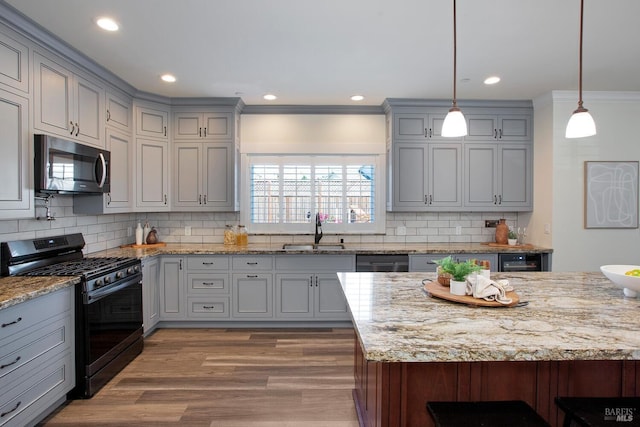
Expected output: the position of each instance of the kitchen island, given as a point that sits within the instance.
(576, 336)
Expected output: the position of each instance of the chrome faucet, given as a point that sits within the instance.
(318, 234)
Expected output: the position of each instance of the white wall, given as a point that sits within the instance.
(616, 116)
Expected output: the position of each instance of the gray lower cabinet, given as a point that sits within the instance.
(307, 286)
(171, 287)
(36, 357)
(150, 294)
(425, 262)
(208, 287)
(252, 294)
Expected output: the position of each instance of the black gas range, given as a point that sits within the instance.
(108, 302)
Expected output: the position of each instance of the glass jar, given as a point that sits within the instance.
(242, 237)
(230, 236)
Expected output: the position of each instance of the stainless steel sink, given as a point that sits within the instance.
(329, 247)
(297, 247)
(310, 247)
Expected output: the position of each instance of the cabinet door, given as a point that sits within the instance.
(152, 171)
(409, 176)
(514, 127)
(481, 127)
(481, 168)
(151, 300)
(14, 63)
(252, 295)
(53, 94)
(294, 295)
(218, 176)
(445, 175)
(16, 165)
(187, 174)
(410, 127)
(330, 302)
(172, 292)
(187, 126)
(151, 122)
(515, 178)
(120, 199)
(118, 113)
(218, 126)
(88, 107)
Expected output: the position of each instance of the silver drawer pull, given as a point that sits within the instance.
(4, 325)
(208, 283)
(208, 307)
(252, 263)
(11, 363)
(252, 276)
(207, 263)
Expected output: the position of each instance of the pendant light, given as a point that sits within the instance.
(454, 124)
(581, 123)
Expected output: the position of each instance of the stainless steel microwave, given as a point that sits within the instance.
(67, 167)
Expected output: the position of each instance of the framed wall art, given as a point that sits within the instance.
(610, 194)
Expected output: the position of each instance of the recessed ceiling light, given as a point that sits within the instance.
(270, 97)
(357, 98)
(169, 78)
(491, 80)
(107, 24)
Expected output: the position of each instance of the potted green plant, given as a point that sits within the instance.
(455, 270)
(512, 238)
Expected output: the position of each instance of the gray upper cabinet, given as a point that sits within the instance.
(498, 177)
(489, 169)
(419, 126)
(118, 112)
(152, 122)
(16, 164)
(210, 126)
(427, 176)
(14, 63)
(503, 127)
(68, 105)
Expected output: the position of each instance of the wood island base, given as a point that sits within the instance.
(389, 394)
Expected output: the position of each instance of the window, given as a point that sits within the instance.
(285, 193)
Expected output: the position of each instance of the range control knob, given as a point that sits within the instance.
(119, 275)
(130, 270)
(98, 283)
(107, 279)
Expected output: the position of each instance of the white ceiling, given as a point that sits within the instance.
(322, 52)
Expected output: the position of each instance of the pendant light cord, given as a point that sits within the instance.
(580, 56)
(455, 54)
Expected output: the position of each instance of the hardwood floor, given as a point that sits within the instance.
(228, 378)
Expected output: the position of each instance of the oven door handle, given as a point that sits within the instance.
(103, 178)
(101, 293)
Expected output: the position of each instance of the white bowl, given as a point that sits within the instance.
(629, 284)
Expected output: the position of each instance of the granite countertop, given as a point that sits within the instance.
(350, 248)
(569, 316)
(17, 289)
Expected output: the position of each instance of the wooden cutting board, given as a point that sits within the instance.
(435, 289)
(145, 246)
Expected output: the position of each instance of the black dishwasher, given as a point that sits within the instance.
(382, 263)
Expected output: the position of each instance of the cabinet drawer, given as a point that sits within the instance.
(208, 307)
(47, 381)
(20, 317)
(54, 336)
(250, 263)
(208, 263)
(208, 283)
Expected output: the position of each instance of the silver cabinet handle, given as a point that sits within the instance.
(500, 199)
(77, 129)
(200, 199)
(205, 132)
(252, 276)
(495, 199)
(165, 199)
(10, 363)
(205, 199)
(4, 414)
(200, 132)
(73, 128)
(19, 319)
(165, 131)
(108, 115)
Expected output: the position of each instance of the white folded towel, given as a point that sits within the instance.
(490, 290)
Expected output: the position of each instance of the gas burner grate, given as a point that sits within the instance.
(84, 266)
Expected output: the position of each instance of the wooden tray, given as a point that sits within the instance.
(145, 246)
(435, 289)
(500, 245)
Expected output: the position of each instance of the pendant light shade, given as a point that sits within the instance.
(454, 124)
(581, 123)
